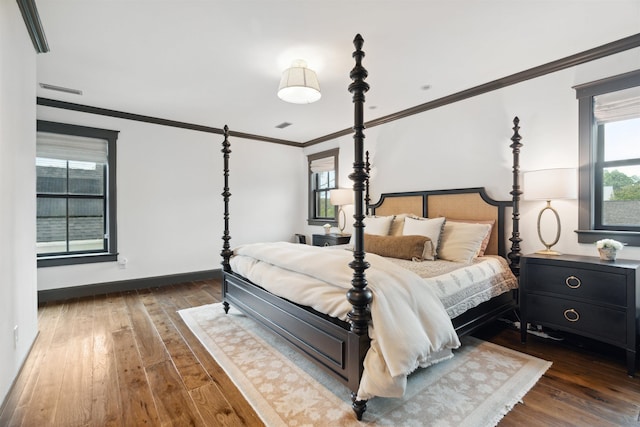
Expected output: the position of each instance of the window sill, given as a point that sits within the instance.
(54, 261)
(333, 222)
(631, 238)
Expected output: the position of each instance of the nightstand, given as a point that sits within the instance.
(330, 239)
(583, 295)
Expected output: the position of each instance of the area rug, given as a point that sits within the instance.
(477, 387)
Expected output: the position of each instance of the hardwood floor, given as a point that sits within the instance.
(128, 360)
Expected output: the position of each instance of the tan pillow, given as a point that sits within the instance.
(402, 247)
(485, 242)
(430, 227)
(379, 225)
(397, 225)
(461, 241)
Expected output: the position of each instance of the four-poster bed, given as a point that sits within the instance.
(344, 344)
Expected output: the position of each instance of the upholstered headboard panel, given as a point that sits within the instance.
(466, 203)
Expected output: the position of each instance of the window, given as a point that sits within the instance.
(323, 176)
(609, 120)
(75, 190)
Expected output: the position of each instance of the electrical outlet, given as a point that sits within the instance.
(16, 337)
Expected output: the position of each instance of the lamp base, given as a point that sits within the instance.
(548, 252)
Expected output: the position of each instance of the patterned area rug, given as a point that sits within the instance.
(477, 387)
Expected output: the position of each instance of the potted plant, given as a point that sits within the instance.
(608, 248)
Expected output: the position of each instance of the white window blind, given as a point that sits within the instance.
(70, 147)
(619, 105)
(324, 164)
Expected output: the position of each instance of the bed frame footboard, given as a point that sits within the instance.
(332, 346)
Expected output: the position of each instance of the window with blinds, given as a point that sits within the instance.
(609, 113)
(75, 190)
(323, 176)
(617, 166)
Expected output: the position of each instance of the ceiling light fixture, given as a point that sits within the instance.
(299, 84)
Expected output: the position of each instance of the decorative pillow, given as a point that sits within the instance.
(461, 241)
(403, 247)
(430, 227)
(378, 225)
(397, 225)
(485, 242)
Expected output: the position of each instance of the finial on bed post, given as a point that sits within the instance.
(226, 248)
(359, 296)
(367, 169)
(514, 255)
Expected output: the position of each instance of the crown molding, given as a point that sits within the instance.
(34, 26)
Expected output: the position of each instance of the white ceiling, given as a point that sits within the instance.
(217, 62)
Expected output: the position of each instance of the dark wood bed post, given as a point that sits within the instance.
(359, 296)
(367, 169)
(514, 255)
(226, 247)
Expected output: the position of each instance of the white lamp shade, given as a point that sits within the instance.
(299, 84)
(551, 184)
(341, 196)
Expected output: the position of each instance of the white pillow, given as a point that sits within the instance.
(461, 241)
(378, 225)
(430, 227)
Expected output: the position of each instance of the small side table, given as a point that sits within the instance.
(330, 239)
(583, 295)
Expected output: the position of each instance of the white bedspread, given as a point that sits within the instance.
(409, 328)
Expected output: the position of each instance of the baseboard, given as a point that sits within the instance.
(125, 285)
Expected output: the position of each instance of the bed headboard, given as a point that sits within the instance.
(465, 203)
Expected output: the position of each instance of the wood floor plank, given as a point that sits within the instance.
(43, 403)
(191, 371)
(75, 408)
(172, 301)
(106, 409)
(175, 407)
(118, 313)
(213, 406)
(151, 348)
(24, 386)
(138, 406)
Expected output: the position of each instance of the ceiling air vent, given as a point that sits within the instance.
(60, 89)
(283, 125)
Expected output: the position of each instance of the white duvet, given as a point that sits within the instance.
(410, 327)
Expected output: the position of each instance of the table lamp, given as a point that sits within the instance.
(341, 197)
(550, 184)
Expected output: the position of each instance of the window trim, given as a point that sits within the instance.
(112, 251)
(312, 220)
(588, 146)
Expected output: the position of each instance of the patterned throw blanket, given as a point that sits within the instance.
(410, 327)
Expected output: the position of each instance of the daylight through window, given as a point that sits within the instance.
(75, 216)
(610, 159)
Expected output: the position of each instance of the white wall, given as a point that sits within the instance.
(18, 305)
(466, 144)
(170, 208)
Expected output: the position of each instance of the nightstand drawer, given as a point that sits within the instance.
(330, 239)
(601, 323)
(599, 286)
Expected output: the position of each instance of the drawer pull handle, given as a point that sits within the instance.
(571, 315)
(573, 282)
